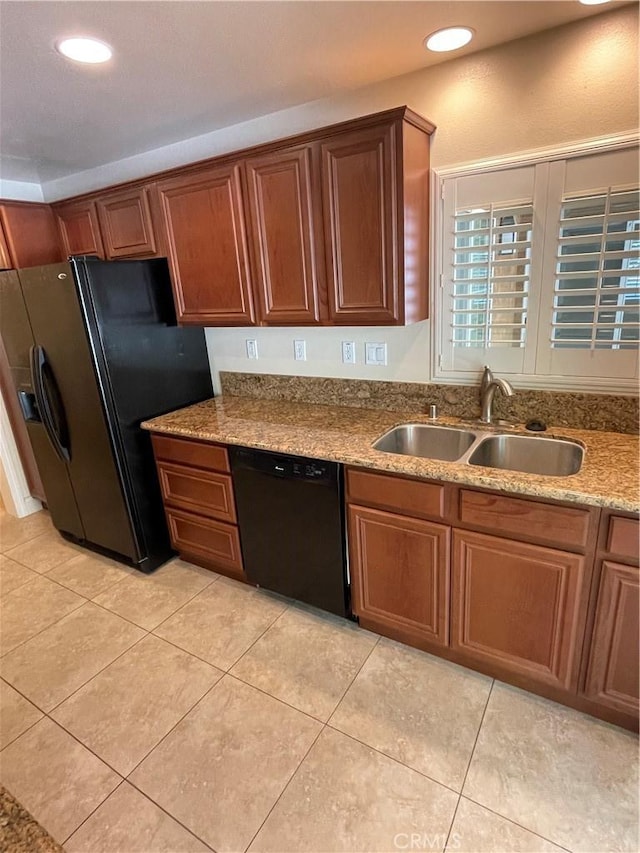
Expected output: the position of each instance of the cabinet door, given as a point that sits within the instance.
(208, 247)
(399, 575)
(359, 189)
(284, 237)
(127, 227)
(28, 235)
(612, 677)
(5, 259)
(79, 229)
(518, 606)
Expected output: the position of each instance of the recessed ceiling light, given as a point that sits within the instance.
(450, 38)
(85, 50)
(593, 2)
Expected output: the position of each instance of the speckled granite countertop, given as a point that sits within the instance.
(608, 478)
(19, 832)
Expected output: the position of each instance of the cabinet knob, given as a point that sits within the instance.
(62, 275)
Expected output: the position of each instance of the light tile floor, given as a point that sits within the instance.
(186, 712)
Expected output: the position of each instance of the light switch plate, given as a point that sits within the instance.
(252, 348)
(375, 353)
(300, 350)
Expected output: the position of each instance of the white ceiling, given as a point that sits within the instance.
(185, 68)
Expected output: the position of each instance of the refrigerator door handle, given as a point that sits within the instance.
(49, 402)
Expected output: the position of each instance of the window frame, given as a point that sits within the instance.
(539, 298)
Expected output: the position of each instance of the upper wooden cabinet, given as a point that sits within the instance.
(5, 257)
(126, 224)
(328, 227)
(28, 235)
(287, 248)
(375, 202)
(360, 220)
(207, 247)
(80, 228)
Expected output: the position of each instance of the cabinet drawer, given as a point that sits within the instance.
(558, 525)
(408, 497)
(212, 541)
(204, 492)
(623, 536)
(201, 454)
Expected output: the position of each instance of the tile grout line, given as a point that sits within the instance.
(515, 823)
(168, 814)
(113, 769)
(289, 781)
(473, 749)
(95, 675)
(475, 742)
(92, 812)
(392, 758)
(125, 781)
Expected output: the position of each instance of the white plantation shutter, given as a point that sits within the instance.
(546, 282)
(597, 285)
(491, 275)
(486, 289)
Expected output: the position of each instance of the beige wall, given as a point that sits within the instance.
(577, 82)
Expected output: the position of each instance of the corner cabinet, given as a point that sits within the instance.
(28, 235)
(207, 247)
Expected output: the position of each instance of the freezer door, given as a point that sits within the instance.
(148, 365)
(52, 304)
(18, 342)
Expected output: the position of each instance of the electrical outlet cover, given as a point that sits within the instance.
(348, 352)
(300, 350)
(252, 348)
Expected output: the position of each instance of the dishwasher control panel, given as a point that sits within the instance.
(289, 467)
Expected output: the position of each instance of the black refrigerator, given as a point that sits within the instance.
(94, 349)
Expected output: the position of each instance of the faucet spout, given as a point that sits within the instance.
(488, 388)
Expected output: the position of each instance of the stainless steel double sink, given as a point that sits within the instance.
(530, 454)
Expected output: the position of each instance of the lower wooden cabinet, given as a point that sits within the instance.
(400, 575)
(519, 606)
(613, 673)
(199, 503)
(214, 542)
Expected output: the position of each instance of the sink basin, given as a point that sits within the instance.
(532, 455)
(432, 442)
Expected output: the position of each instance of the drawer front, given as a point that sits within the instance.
(623, 537)
(200, 454)
(204, 492)
(213, 541)
(557, 525)
(408, 497)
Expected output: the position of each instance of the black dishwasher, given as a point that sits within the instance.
(291, 524)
